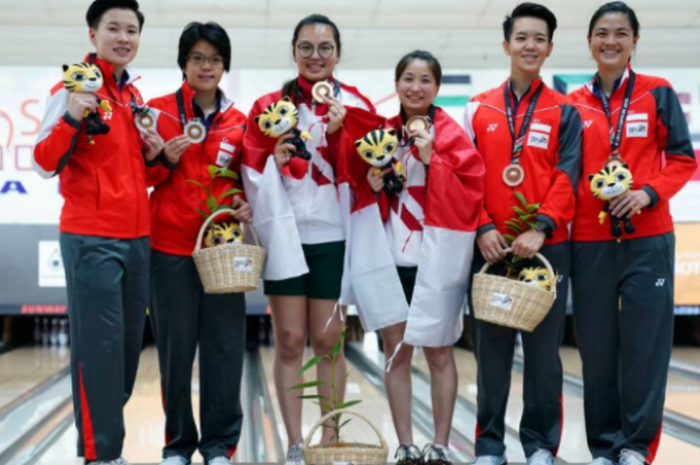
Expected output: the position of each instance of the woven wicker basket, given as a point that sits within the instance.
(354, 453)
(229, 268)
(511, 303)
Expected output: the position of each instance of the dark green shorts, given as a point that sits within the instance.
(325, 262)
(407, 275)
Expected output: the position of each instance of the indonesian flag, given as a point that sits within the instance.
(454, 196)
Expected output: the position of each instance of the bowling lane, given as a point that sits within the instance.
(24, 368)
(374, 407)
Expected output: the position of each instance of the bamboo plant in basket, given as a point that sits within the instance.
(219, 233)
(334, 408)
(524, 220)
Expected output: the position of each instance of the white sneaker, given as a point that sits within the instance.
(541, 457)
(602, 461)
(175, 460)
(119, 461)
(436, 454)
(294, 455)
(631, 457)
(490, 460)
(408, 454)
(221, 460)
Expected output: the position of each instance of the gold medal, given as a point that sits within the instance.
(321, 90)
(195, 131)
(145, 122)
(417, 123)
(513, 175)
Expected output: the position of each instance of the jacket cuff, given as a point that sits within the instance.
(166, 163)
(485, 228)
(155, 162)
(652, 193)
(548, 225)
(71, 121)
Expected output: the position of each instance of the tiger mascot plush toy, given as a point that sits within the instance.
(85, 78)
(607, 184)
(537, 276)
(377, 148)
(280, 118)
(223, 233)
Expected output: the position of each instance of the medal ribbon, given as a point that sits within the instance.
(616, 136)
(520, 140)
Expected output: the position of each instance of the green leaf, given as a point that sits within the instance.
(233, 191)
(227, 173)
(350, 403)
(202, 212)
(521, 198)
(531, 224)
(336, 349)
(517, 231)
(512, 222)
(192, 181)
(345, 423)
(310, 363)
(325, 406)
(212, 204)
(308, 384)
(213, 170)
(313, 397)
(527, 217)
(519, 211)
(510, 239)
(532, 208)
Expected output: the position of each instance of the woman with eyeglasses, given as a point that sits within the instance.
(635, 141)
(182, 315)
(298, 213)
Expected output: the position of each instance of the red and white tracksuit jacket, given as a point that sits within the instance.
(550, 157)
(175, 222)
(104, 185)
(655, 145)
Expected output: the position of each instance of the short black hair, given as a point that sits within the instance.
(99, 7)
(433, 64)
(615, 7)
(530, 10)
(211, 32)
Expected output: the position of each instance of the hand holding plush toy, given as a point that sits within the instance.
(84, 78)
(610, 183)
(281, 118)
(377, 148)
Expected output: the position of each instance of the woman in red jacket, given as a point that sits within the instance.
(637, 154)
(184, 317)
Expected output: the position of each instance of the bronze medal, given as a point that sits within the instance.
(195, 131)
(321, 90)
(613, 161)
(416, 123)
(513, 175)
(145, 122)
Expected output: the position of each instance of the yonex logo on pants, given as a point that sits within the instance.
(660, 282)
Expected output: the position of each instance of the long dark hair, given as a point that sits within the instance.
(290, 88)
(615, 7)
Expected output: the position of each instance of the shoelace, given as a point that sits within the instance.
(541, 457)
(630, 457)
(294, 453)
(431, 453)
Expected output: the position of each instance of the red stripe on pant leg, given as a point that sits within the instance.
(561, 423)
(654, 446)
(231, 451)
(88, 433)
(165, 406)
(477, 433)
